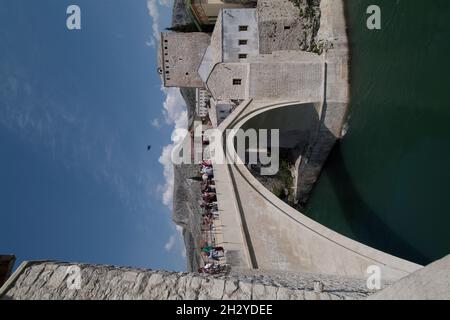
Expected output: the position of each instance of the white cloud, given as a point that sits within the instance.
(174, 108)
(175, 114)
(170, 244)
(183, 248)
(155, 123)
(153, 11)
(176, 237)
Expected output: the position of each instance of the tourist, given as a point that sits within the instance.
(214, 255)
(209, 206)
(206, 163)
(208, 249)
(207, 178)
(208, 188)
(209, 197)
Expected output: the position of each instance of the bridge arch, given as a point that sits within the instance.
(263, 232)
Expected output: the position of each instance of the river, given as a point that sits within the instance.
(387, 183)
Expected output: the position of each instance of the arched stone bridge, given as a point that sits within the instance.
(260, 231)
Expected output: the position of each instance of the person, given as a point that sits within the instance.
(207, 268)
(209, 197)
(207, 170)
(214, 213)
(211, 214)
(207, 178)
(214, 268)
(210, 268)
(209, 183)
(208, 249)
(209, 188)
(206, 163)
(211, 205)
(214, 255)
(208, 222)
(204, 256)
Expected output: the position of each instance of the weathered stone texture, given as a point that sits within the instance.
(48, 280)
(429, 283)
(220, 82)
(232, 19)
(286, 81)
(284, 26)
(180, 58)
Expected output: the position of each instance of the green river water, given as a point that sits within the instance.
(387, 183)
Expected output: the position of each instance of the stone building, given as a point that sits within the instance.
(235, 66)
(202, 102)
(180, 55)
(205, 12)
(274, 52)
(220, 110)
(283, 26)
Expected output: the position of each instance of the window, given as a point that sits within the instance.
(242, 56)
(242, 42)
(237, 82)
(287, 27)
(243, 28)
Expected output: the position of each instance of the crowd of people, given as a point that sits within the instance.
(212, 255)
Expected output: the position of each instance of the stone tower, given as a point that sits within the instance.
(180, 56)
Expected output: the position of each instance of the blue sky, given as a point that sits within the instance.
(77, 111)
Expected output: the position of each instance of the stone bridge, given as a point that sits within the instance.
(260, 231)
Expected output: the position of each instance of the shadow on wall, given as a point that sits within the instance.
(305, 143)
(366, 226)
(295, 123)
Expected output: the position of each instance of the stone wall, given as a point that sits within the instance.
(181, 55)
(285, 26)
(290, 81)
(50, 280)
(232, 19)
(220, 82)
(43, 280)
